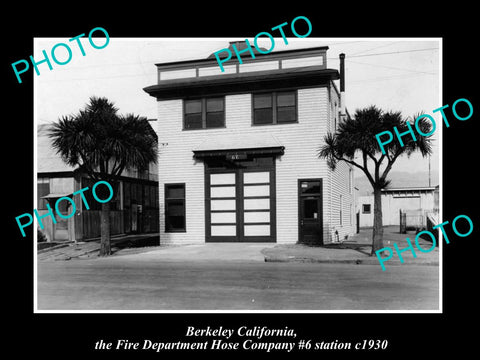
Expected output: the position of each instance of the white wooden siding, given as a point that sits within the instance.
(301, 141)
(300, 160)
(339, 185)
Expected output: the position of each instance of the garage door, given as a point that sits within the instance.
(240, 205)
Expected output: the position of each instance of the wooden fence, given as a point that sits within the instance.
(413, 220)
(91, 223)
(120, 223)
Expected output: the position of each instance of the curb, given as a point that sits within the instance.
(47, 249)
(310, 260)
(64, 256)
(344, 261)
(86, 253)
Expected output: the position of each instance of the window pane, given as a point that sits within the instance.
(224, 230)
(222, 179)
(175, 207)
(193, 106)
(257, 230)
(262, 101)
(175, 191)
(256, 216)
(222, 191)
(310, 187)
(310, 209)
(215, 119)
(256, 177)
(286, 114)
(263, 116)
(286, 99)
(175, 222)
(222, 205)
(256, 204)
(193, 121)
(223, 217)
(256, 190)
(215, 104)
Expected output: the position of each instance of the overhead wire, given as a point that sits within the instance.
(394, 52)
(414, 73)
(374, 48)
(394, 68)
(384, 53)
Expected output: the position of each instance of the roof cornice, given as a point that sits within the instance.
(242, 82)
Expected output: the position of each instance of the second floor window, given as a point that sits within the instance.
(205, 113)
(275, 108)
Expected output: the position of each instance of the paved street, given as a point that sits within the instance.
(148, 282)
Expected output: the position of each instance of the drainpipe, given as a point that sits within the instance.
(343, 112)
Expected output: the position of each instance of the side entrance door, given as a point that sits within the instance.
(310, 215)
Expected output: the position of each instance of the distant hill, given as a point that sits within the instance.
(398, 179)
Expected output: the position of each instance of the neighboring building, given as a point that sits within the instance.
(134, 208)
(238, 155)
(415, 201)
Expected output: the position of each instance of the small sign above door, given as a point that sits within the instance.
(236, 156)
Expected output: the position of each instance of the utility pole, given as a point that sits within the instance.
(429, 181)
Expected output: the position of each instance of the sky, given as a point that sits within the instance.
(399, 74)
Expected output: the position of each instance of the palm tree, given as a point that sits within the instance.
(103, 144)
(356, 136)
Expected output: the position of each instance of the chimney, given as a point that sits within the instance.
(342, 85)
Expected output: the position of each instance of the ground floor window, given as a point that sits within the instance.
(366, 208)
(175, 208)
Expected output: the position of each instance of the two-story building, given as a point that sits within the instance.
(238, 150)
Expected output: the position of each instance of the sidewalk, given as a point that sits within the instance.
(356, 250)
(91, 248)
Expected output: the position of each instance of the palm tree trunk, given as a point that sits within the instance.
(105, 249)
(377, 238)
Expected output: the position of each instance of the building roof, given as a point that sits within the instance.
(212, 59)
(305, 67)
(241, 82)
(416, 188)
(47, 159)
(401, 190)
(235, 142)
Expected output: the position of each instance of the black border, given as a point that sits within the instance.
(62, 335)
